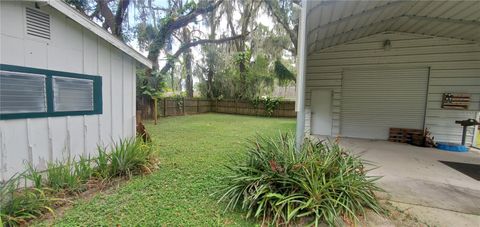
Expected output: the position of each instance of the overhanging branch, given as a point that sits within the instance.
(185, 47)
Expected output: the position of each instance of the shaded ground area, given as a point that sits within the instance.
(193, 151)
(415, 175)
(470, 170)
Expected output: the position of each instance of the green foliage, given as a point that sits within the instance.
(178, 193)
(102, 163)
(281, 184)
(256, 102)
(18, 206)
(179, 99)
(283, 74)
(271, 104)
(62, 175)
(151, 86)
(129, 156)
(33, 175)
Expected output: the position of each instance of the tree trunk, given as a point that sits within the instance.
(187, 59)
(210, 75)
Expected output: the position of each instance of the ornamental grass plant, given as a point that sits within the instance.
(320, 183)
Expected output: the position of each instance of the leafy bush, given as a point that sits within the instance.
(18, 206)
(319, 183)
(271, 104)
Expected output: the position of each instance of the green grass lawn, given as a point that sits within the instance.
(193, 151)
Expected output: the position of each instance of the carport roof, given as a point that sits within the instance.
(330, 23)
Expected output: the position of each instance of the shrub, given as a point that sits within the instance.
(319, 183)
(18, 206)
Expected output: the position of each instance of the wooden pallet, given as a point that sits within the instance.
(404, 135)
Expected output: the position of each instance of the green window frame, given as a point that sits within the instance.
(97, 93)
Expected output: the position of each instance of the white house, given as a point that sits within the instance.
(367, 66)
(66, 85)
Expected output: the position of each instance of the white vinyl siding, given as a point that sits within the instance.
(454, 67)
(374, 100)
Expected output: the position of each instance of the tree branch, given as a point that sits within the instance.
(276, 11)
(174, 24)
(185, 47)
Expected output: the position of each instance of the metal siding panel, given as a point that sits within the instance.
(375, 100)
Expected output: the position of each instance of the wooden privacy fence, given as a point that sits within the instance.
(186, 106)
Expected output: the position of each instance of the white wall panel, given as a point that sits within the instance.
(10, 53)
(127, 101)
(70, 49)
(38, 140)
(116, 94)
(454, 64)
(90, 133)
(11, 22)
(14, 146)
(104, 69)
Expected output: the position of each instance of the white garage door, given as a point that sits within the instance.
(375, 100)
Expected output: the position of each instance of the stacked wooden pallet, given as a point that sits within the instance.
(405, 135)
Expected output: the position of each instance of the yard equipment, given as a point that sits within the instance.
(466, 124)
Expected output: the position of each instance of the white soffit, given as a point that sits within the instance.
(96, 29)
(334, 22)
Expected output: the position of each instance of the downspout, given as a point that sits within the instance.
(301, 60)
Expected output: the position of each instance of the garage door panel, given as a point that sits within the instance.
(375, 100)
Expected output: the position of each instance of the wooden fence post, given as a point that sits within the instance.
(198, 106)
(236, 109)
(155, 110)
(183, 109)
(164, 107)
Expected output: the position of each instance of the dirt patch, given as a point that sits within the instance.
(66, 199)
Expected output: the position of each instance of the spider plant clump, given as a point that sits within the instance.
(320, 183)
(130, 156)
(20, 205)
(126, 157)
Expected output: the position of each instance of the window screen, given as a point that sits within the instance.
(72, 94)
(22, 93)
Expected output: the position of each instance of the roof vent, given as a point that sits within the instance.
(38, 23)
